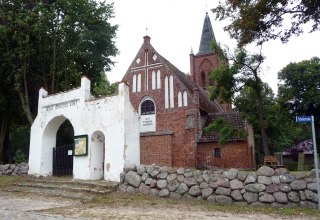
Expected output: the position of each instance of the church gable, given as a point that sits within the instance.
(151, 74)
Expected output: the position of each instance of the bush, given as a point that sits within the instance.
(20, 157)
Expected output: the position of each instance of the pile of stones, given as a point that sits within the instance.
(266, 186)
(14, 169)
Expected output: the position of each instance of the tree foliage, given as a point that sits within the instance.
(281, 129)
(225, 129)
(243, 71)
(299, 89)
(261, 20)
(50, 44)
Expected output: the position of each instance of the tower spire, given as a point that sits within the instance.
(207, 37)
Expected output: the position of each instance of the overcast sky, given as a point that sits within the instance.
(175, 27)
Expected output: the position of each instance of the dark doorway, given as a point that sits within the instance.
(62, 160)
(63, 152)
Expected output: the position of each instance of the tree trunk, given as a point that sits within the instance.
(264, 137)
(24, 96)
(3, 130)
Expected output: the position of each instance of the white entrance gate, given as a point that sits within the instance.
(110, 123)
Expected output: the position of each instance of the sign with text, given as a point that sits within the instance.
(303, 119)
(147, 123)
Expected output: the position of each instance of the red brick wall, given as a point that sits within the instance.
(233, 154)
(205, 63)
(156, 149)
(183, 145)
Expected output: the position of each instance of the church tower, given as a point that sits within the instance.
(202, 63)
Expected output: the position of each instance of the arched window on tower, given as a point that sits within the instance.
(203, 79)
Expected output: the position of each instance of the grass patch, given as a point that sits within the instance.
(139, 200)
(9, 180)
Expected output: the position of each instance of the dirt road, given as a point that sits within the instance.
(21, 206)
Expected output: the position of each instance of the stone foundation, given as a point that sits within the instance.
(266, 186)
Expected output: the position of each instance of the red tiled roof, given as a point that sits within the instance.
(232, 117)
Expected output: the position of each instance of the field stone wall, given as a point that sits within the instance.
(264, 187)
(14, 169)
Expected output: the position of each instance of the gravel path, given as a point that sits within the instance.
(18, 207)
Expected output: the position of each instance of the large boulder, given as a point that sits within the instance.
(224, 182)
(223, 199)
(182, 188)
(173, 185)
(162, 184)
(236, 195)
(272, 188)
(264, 180)
(312, 186)
(287, 178)
(223, 191)
(265, 171)
(144, 189)
(236, 184)
(255, 187)
(172, 177)
(133, 179)
(190, 181)
(250, 197)
(312, 196)
(293, 196)
(164, 193)
(141, 169)
(206, 193)
(284, 187)
(267, 198)
(195, 191)
(251, 178)
(298, 185)
(231, 174)
(280, 197)
(129, 167)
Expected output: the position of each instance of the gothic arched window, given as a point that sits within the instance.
(203, 79)
(147, 107)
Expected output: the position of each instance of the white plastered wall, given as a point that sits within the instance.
(111, 117)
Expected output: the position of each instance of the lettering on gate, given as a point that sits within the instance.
(70, 103)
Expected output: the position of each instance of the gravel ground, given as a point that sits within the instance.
(18, 206)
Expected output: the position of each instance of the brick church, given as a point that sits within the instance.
(174, 109)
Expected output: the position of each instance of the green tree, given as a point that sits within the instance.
(50, 44)
(299, 88)
(243, 72)
(261, 20)
(281, 129)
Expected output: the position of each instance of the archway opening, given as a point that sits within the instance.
(63, 151)
(57, 147)
(97, 152)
